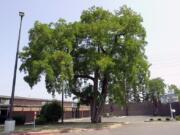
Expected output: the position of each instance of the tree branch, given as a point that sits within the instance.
(102, 49)
(84, 76)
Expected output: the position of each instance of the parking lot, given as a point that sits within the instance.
(152, 128)
(136, 125)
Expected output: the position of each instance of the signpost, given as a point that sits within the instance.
(35, 115)
(170, 98)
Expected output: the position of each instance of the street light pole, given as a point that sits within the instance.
(21, 14)
(62, 104)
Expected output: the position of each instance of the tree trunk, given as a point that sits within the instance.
(126, 104)
(155, 106)
(126, 98)
(126, 109)
(94, 99)
(95, 116)
(97, 106)
(95, 110)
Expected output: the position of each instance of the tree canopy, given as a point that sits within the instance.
(156, 88)
(101, 54)
(174, 89)
(48, 54)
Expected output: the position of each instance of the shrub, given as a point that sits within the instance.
(178, 118)
(41, 120)
(159, 119)
(51, 112)
(20, 119)
(151, 119)
(167, 119)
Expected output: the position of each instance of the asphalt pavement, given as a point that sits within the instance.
(136, 125)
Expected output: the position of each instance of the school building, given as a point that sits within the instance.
(29, 106)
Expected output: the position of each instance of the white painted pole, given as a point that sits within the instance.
(171, 111)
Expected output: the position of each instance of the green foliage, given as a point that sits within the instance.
(115, 47)
(87, 95)
(48, 54)
(103, 48)
(174, 89)
(41, 120)
(50, 112)
(168, 119)
(178, 118)
(159, 119)
(20, 119)
(117, 93)
(156, 88)
(151, 119)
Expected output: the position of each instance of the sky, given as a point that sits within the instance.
(161, 21)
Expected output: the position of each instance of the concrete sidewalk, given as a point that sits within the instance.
(129, 119)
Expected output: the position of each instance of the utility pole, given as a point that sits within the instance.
(21, 14)
(9, 125)
(62, 104)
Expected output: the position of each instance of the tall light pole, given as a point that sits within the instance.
(62, 105)
(21, 14)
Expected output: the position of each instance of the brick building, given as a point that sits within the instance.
(28, 106)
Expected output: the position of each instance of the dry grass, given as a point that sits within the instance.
(64, 128)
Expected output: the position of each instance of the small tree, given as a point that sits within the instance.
(156, 88)
(173, 88)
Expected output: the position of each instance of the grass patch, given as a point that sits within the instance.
(62, 128)
(178, 118)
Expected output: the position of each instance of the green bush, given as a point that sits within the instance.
(151, 119)
(51, 112)
(167, 119)
(178, 118)
(159, 119)
(41, 120)
(20, 119)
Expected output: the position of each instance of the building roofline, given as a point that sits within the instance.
(29, 98)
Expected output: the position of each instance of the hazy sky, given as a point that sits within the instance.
(161, 21)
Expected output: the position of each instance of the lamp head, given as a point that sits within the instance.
(21, 14)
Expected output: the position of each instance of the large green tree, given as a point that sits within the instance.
(101, 55)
